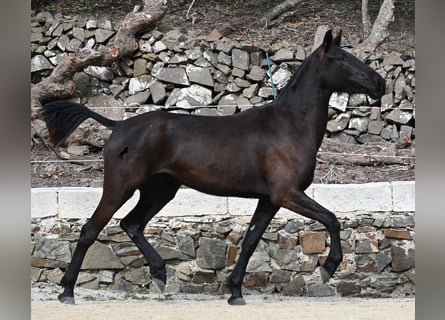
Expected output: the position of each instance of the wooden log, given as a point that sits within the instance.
(371, 154)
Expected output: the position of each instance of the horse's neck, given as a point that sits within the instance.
(306, 103)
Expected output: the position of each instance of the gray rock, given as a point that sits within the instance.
(193, 96)
(211, 254)
(111, 107)
(232, 87)
(339, 101)
(300, 54)
(73, 45)
(393, 60)
(63, 42)
(359, 124)
(287, 259)
(206, 112)
(241, 83)
(265, 92)
(243, 103)
(145, 46)
(383, 260)
(387, 102)
(256, 74)
(79, 34)
(282, 55)
(40, 63)
(186, 245)
(399, 117)
(224, 59)
(158, 93)
(168, 253)
(367, 138)
(178, 58)
(91, 24)
(138, 99)
(139, 84)
(260, 259)
(103, 35)
(399, 88)
(54, 250)
(281, 77)
(173, 75)
(184, 270)
(339, 123)
(193, 54)
(358, 99)
(200, 75)
(211, 57)
(139, 67)
(251, 91)
(375, 127)
(102, 73)
(159, 46)
(294, 226)
(295, 287)
(316, 289)
(403, 255)
(240, 59)
(256, 57)
(100, 256)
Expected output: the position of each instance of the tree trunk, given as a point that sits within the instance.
(279, 10)
(366, 21)
(380, 28)
(60, 85)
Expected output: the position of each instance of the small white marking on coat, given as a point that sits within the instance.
(252, 228)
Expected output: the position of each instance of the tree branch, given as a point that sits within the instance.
(59, 84)
(279, 10)
(380, 28)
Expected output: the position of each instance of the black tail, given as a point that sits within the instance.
(62, 117)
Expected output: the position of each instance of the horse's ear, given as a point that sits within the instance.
(337, 39)
(327, 39)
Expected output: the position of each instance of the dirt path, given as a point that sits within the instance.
(257, 308)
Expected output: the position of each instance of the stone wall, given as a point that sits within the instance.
(214, 75)
(200, 249)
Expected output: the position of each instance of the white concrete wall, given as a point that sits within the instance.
(369, 197)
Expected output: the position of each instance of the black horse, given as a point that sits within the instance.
(266, 152)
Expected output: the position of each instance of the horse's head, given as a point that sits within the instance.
(340, 71)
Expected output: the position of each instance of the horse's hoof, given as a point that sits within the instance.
(236, 301)
(66, 299)
(325, 276)
(157, 286)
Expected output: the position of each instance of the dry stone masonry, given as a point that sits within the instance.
(200, 252)
(214, 75)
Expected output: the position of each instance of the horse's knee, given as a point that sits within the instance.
(88, 235)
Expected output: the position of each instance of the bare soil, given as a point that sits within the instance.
(96, 304)
(244, 21)
(216, 309)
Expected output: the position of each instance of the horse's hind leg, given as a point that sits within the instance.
(108, 205)
(154, 195)
(264, 213)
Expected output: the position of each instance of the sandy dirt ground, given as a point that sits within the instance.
(216, 309)
(101, 304)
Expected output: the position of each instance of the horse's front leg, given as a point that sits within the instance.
(264, 213)
(299, 202)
